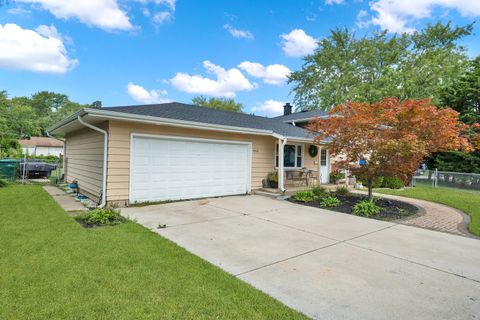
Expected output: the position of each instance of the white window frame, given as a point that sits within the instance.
(296, 155)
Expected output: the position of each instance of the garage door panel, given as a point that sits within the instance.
(172, 169)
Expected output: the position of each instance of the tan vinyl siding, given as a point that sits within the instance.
(263, 153)
(119, 152)
(84, 161)
(309, 161)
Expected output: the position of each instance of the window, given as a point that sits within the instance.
(292, 156)
(323, 157)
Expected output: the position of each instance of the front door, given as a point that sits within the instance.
(324, 166)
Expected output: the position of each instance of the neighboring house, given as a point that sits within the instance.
(42, 146)
(175, 151)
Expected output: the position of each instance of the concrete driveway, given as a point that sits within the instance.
(328, 265)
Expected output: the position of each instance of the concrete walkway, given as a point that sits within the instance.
(63, 199)
(433, 216)
(325, 264)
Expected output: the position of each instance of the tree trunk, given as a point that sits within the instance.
(370, 191)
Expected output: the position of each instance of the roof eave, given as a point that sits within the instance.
(67, 120)
(123, 116)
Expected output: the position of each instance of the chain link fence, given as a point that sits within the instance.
(435, 179)
(24, 170)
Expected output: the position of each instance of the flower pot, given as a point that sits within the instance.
(273, 184)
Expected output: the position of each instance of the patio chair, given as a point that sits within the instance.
(295, 176)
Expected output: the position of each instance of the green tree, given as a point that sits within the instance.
(455, 161)
(3, 112)
(408, 66)
(30, 116)
(226, 104)
(22, 121)
(463, 95)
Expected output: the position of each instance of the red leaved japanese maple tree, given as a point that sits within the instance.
(392, 136)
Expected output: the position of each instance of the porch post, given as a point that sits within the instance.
(320, 165)
(281, 170)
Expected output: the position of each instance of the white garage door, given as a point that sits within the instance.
(169, 168)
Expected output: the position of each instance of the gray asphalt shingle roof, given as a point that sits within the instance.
(187, 112)
(302, 115)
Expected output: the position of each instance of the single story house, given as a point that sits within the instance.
(174, 151)
(42, 146)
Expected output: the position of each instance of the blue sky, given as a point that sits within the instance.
(148, 51)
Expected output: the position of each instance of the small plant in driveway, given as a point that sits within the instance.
(366, 208)
(329, 202)
(101, 217)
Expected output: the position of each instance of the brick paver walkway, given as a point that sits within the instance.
(434, 216)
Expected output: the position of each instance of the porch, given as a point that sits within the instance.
(292, 189)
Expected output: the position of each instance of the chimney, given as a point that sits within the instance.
(287, 109)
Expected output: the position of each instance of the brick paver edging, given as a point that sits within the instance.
(433, 216)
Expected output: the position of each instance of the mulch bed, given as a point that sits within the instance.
(391, 209)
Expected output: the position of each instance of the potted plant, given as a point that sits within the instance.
(272, 178)
(335, 176)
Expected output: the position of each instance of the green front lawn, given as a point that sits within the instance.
(52, 268)
(465, 200)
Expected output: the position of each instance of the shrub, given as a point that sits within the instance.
(102, 216)
(3, 183)
(50, 158)
(335, 176)
(365, 208)
(377, 182)
(272, 177)
(329, 202)
(319, 192)
(304, 196)
(342, 191)
(393, 183)
(10, 148)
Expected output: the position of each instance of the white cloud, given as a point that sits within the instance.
(297, 43)
(40, 50)
(166, 14)
(162, 17)
(334, 2)
(269, 108)
(226, 84)
(104, 14)
(19, 11)
(240, 34)
(397, 15)
(362, 21)
(275, 74)
(140, 94)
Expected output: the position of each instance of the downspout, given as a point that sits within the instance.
(281, 170)
(105, 158)
(320, 165)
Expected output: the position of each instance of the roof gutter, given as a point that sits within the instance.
(103, 200)
(293, 121)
